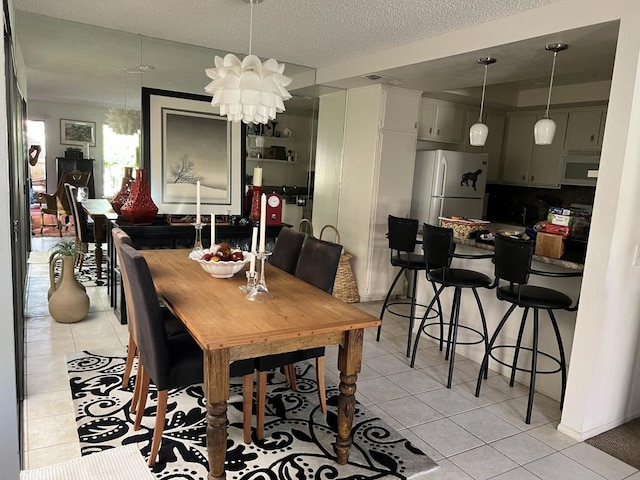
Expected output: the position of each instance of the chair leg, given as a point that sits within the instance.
(485, 333)
(455, 316)
(485, 361)
(435, 298)
(563, 361)
(386, 300)
(534, 362)
(131, 354)
(412, 313)
(322, 386)
(247, 406)
(136, 388)
(161, 413)
(142, 401)
(41, 221)
(261, 393)
(516, 354)
(290, 374)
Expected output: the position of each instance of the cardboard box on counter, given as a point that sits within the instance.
(564, 220)
(549, 245)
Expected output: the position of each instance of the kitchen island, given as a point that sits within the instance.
(495, 309)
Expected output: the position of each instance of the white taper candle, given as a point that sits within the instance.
(263, 222)
(257, 176)
(254, 245)
(198, 202)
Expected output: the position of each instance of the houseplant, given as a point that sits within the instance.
(68, 301)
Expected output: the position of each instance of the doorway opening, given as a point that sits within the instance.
(37, 160)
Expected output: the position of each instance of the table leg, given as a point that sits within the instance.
(99, 228)
(349, 363)
(216, 375)
(99, 260)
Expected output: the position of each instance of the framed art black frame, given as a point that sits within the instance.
(184, 139)
(77, 132)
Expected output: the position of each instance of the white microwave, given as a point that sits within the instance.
(579, 170)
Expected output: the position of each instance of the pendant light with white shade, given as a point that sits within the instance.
(479, 131)
(248, 90)
(545, 128)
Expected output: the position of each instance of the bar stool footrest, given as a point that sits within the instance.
(408, 304)
(527, 370)
(445, 340)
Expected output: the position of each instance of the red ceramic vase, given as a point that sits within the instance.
(122, 196)
(139, 207)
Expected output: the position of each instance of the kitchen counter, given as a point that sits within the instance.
(538, 258)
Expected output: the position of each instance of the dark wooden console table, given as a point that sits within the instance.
(160, 234)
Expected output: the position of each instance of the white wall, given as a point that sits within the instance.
(603, 389)
(51, 113)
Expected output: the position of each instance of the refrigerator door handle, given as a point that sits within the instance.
(443, 177)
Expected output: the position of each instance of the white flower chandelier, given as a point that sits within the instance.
(248, 90)
(123, 121)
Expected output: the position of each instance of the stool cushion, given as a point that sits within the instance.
(535, 297)
(459, 277)
(412, 261)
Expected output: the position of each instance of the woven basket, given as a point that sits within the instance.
(344, 286)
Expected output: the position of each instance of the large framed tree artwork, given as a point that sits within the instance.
(186, 140)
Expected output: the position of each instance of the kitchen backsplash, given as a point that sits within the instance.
(525, 205)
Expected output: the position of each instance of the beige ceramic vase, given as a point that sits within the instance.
(68, 302)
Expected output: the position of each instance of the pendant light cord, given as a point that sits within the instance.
(484, 85)
(251, 27)
(553, 69)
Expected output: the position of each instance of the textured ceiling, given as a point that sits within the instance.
(314, 33)
(75, 50)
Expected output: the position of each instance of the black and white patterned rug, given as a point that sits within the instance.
(88, 275)
(298, 438)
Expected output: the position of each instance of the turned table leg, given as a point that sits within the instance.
(217, 392)
(349, 363)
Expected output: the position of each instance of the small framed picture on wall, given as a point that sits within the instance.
(77, 132)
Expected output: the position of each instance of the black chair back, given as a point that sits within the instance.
(402, 234)
(83, 232)
(287, 250)
(437, 243)
(151, 332)
(513, 259)
(318, 263)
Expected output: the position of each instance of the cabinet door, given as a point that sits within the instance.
(583, 129)
(546, 160)
(449, 121)
(517, 149)
(400, 110)
(493, 145)
(427, 119)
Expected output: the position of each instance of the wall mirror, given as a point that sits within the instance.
(79, 71)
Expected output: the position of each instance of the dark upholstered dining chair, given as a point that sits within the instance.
(57, 203)
(172, 325)
(317, 265)
(81, 223)
(287, 249)
(170, 362)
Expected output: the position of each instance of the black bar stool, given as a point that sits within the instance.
(402, 235)
(439, 251)
(513, 264)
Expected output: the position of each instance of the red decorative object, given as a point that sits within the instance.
(255, 204)
(122, 196)
(139, 207)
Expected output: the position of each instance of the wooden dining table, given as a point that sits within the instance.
(100, 210)
(228, 327)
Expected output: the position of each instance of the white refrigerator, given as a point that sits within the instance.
(448, 183)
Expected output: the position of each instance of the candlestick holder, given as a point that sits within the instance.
(197, 244)
(259, 290)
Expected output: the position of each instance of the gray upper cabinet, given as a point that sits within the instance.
(584, 129)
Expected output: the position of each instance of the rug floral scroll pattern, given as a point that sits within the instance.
(298, 443)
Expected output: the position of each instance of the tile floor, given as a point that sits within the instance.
(470, 438)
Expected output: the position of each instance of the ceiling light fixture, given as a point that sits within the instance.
(479, 131)
(121, 120)
(248, 90)
(545, 128)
